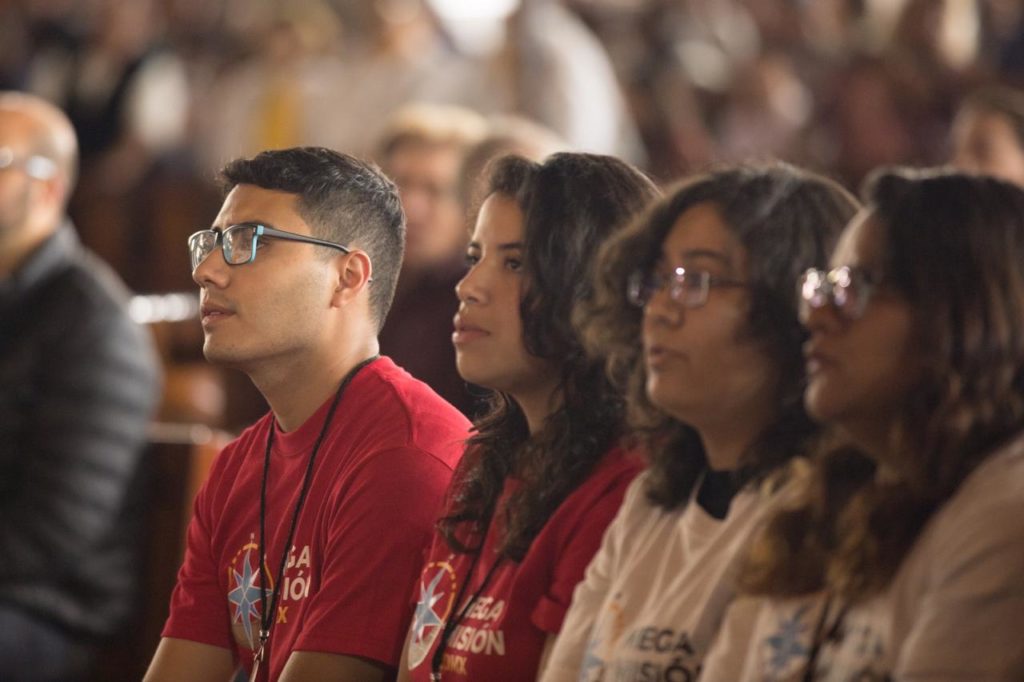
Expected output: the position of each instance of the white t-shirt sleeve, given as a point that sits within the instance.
(968, 625)
(563, 663)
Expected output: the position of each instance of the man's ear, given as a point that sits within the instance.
(355, 271)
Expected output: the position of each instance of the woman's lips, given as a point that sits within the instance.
(658, 356)
(466, 332)
(815, 361)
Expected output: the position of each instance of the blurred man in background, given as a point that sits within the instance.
(78, 384)
(422, 151)
(988, 134)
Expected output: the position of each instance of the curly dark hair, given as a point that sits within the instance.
(954, 248)
(787, 220)
(342, 199)
(570, 204)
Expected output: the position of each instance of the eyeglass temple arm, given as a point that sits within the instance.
(271, 232)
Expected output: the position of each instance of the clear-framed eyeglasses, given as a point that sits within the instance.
(847, 289)
(34, 165)
(689, 288)
(239, 243)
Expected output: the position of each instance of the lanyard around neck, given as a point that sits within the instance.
(267, 614)
(452, 623)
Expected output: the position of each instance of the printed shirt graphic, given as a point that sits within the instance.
(952, 611)
(433, 609)
(504, 632)
(246, 595)
(783, 638)
(655, 594)
(376, 489)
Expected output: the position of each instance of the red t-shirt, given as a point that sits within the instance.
(375, 494)
(502, 635)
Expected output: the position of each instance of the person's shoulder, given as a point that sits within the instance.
(993, 488)
(637, 507)
(414, 415)
(987, 511)
(615, 473)
(620, 465)
(389, 388)
(245, 444)
(83, 307)
(230, 460)
(88, 282)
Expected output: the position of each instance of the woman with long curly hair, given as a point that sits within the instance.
(544, 473)
(904, 559)
(695, 313)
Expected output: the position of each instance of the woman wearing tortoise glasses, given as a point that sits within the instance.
(694, 310)
(905, 559)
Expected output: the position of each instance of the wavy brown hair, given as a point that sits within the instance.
(570, 204)
(954, 251)
(787, 220)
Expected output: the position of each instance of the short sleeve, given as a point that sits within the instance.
(590, 593)
(379, 529)
(198, 610)
(976, 599)
(598, 501)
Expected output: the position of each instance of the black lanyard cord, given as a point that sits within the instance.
(822, 635)
(267, 615)
(452, 623)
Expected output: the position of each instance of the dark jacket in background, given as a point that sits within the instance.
(78, 385)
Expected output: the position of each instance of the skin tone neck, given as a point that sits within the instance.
(15, 248)
(874, 437)
(537, 405)
(295, 390)
(726, 443)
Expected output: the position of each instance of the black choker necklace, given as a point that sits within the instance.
(267, 615)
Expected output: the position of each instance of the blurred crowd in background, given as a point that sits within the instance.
(163, 92)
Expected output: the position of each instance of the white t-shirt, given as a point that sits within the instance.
(655, 593)
(954, 611)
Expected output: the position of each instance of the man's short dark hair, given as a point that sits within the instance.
(342, 199)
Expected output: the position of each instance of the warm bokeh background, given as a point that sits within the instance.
(162, 92)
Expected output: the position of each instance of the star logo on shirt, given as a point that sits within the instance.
(787, 644)
(432, 608)
(246, 596)
(425, 615)
(593, 665)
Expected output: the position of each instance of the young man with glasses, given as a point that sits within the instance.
(308, 535)
(78, 383)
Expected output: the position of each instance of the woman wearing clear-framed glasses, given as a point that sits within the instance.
(904, 559)
(694, 310)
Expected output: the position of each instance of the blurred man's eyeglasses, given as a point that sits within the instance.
(847, 289)
(239, 243)
(689, 288)
(35, 166)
